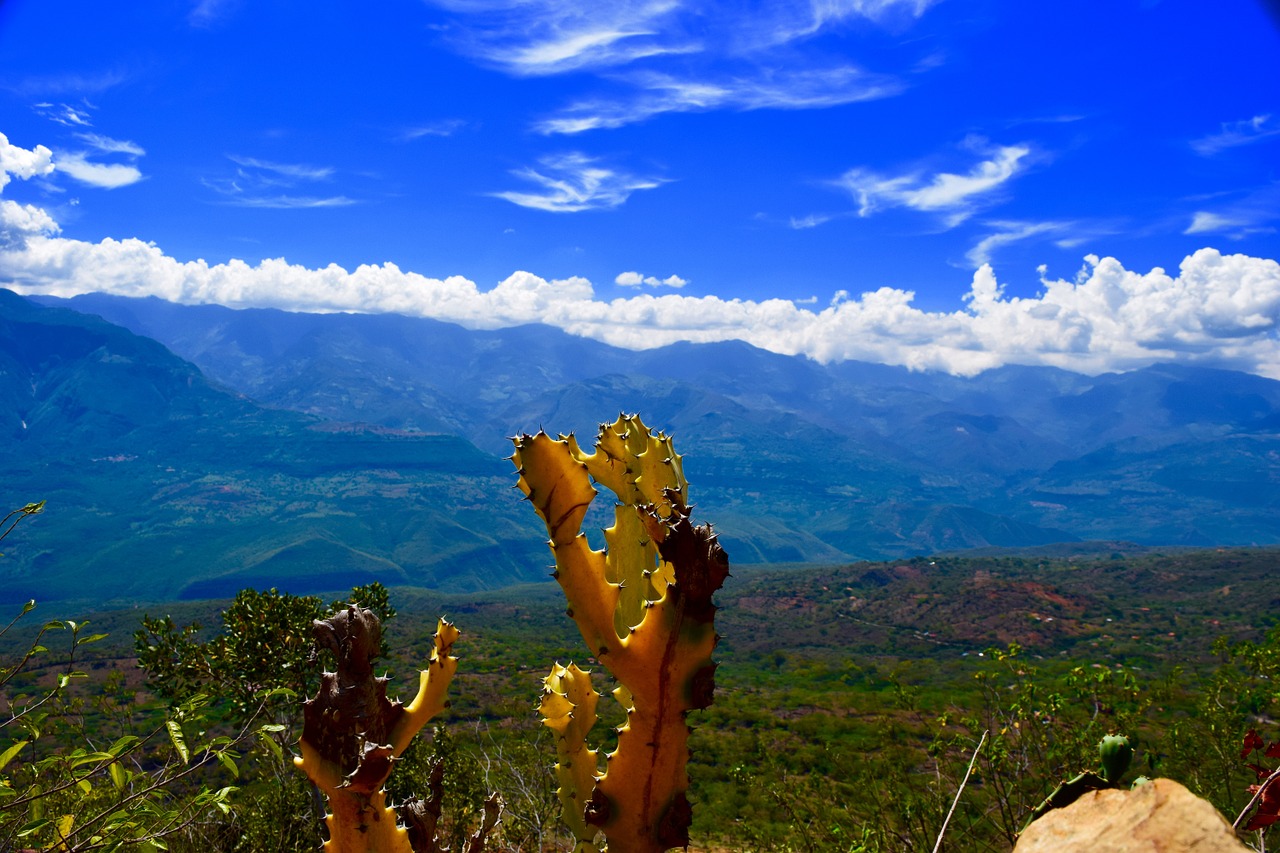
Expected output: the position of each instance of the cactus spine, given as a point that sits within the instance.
(643, 606)
(352, 733)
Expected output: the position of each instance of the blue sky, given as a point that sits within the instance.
(947, 184)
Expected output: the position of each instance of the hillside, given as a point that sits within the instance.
(161, 485)
(317, 451)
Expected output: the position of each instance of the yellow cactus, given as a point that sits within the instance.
(568, 708)
(644, 608)
(352, 733)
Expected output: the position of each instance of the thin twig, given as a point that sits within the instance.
(1258, 795)
(938, 846)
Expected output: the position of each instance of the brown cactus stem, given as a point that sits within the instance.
(352, 734)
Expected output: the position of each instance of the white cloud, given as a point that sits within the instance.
(65, 114)
(1236, 133)
(1010, 232)
(1204, 222)
(442, 128)
(290, 171)
(267, 184)
(1241, 217)
(107, 145)
(656, 93)
(537, 37)
(635, 279)
(956, 195)
(103, 175)
(18, 222)
(574, 182)
(665, 56)
(1221, 310)
(21, 162)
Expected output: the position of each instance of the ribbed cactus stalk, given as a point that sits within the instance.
(643, 606)
(352, 733)
(568, 708)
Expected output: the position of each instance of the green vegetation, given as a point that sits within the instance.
(849, 728)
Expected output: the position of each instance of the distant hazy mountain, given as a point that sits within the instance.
(160, 485)
(793, 460)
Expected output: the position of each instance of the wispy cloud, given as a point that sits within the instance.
(635, 279)
(107, 145)
(288, 171)
(1236, 133)
(209, 13)
(443, 128)
(1010, 232)
(655, 93)
(952, 194)
(268, 184)
(65, 114)
(573, 182)
(53, 85)
(540, 37)
(662, 56)
(1243, 217)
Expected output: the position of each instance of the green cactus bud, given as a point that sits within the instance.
(1139, 782)
(1116, 753)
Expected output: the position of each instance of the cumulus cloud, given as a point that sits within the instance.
(1220, 310)
(635, 279)
(573, 182)
(1236, 133)
(954, 195)
(17, 162)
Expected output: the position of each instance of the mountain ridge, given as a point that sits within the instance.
(793, 460)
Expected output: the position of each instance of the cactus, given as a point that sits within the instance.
(568, 707)
(352, 735)
(1115, 753)
(643, 606)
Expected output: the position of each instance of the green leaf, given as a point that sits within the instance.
(92, 638)
(8, 754)
(228, 763)
(118, 777)
(178, 740)
(33, 827)
(123, 745)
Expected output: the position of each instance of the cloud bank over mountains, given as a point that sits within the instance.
(1219, 310)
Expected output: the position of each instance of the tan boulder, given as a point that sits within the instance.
(1159, 817)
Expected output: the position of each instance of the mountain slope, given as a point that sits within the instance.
(160, 485)
(792, 459)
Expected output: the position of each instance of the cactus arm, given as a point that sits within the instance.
(557, 485)
(568, 708)
(433, 684)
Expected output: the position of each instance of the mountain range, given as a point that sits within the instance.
(187, 451)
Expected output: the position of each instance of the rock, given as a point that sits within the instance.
(1159, 817)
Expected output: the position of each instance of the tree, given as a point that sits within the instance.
(60, 789)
